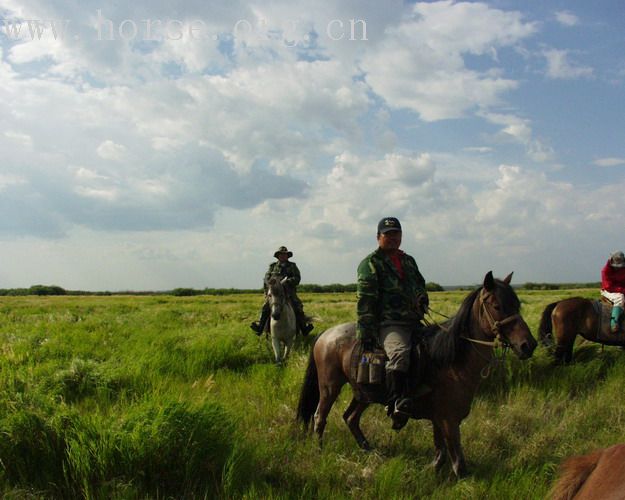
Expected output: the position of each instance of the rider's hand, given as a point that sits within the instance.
(368, 345)
(423, 302)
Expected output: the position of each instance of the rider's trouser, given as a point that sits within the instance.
(397, 341)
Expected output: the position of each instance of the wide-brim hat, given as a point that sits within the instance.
(283, 250)
(617, 259)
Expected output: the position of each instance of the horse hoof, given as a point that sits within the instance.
(366, 446)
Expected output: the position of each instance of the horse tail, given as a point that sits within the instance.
(573, 473)
(309, 395)
(545, 328)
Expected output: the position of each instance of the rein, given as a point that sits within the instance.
(495, 327)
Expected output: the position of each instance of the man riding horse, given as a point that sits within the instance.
(392, 300)
(613, 287)
(281, 269)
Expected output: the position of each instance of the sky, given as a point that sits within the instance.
(150, 145)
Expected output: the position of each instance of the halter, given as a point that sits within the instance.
(495, 325)
(279, 300)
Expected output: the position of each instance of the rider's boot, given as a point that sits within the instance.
(302, 321)
(398, 405)
(259, 326)
(617, 312)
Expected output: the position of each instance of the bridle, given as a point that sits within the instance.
(279, 300)
(495, 326)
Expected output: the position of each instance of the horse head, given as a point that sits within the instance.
(499, 314)
(276, 296)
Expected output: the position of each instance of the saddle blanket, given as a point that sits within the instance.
(603, 331)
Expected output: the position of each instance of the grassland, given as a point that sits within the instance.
(174, 397)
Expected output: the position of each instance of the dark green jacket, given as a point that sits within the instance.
(287, 269)
(384, 298)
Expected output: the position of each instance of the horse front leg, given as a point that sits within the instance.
(451, 435)
(277, 349)
(352, 418)
(288, 345)
(440, 454)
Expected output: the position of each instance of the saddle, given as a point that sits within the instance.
(368, 369)
(603, 308)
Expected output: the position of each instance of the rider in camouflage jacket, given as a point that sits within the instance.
(283, 268)
(392, 300)
(383, 297)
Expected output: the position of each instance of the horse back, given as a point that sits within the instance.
(575, 315)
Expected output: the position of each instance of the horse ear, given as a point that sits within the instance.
(489, 281)
(508, 278)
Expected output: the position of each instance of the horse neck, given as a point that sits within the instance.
(478, 355)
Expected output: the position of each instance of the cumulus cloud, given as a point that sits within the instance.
(519, 130)
(566, 18)
(19, 138)
(420, 65)
(111, 151)
(559, 66)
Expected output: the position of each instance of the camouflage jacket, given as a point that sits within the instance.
(383, 297)
(284, 269)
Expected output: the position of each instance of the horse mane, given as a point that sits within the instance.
(573, 473)
(446, 345)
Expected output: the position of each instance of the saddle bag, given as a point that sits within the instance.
(371, 368)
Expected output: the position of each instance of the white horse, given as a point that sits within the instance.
(282, 326)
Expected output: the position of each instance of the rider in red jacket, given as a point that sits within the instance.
(613, 286)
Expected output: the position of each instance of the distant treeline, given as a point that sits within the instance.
(305, 288)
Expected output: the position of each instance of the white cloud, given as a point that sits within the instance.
(566, 18)
(19, 138)
(560, 67)
(420, 64)
(609, 162)
(520, 130)
(109, 150)
(478, 149)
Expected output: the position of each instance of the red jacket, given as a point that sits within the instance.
(613, 278)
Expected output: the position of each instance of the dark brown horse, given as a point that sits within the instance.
(455, 357)
(600, 475)
(562, 321)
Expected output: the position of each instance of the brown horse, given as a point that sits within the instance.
(562, 321)
(454, 357)
(600, 475)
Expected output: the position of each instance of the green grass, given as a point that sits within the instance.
(174, 397)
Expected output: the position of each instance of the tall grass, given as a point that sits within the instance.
(174, 397)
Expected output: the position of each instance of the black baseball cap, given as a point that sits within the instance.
(388, 224)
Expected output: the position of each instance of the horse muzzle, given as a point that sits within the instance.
(522, 341)
(526, 349)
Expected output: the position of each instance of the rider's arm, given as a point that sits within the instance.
(367, 295)
(295, 277)
(268, 275)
